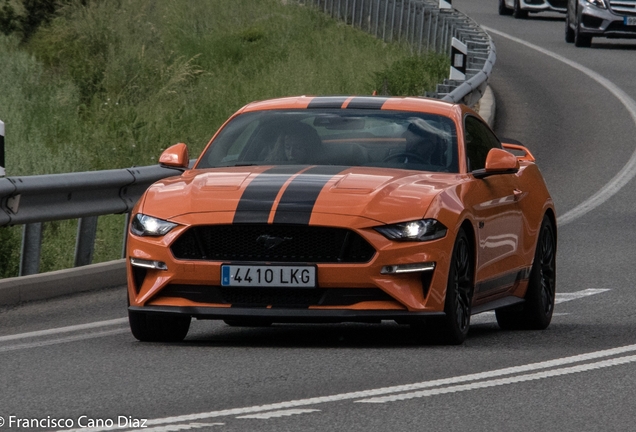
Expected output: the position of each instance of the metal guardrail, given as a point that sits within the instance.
(32, 200)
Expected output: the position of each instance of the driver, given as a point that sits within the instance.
(298, 144)
(421, 145)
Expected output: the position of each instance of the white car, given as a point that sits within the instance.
(520, 8)
(586, 19)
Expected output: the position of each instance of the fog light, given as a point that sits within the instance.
(157, 265)
(408, 268)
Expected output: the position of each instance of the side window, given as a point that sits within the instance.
(479, 140)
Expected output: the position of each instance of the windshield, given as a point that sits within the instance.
(375, 138)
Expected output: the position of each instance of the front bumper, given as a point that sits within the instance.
(343, 290)
(291, 315)
(544, 5)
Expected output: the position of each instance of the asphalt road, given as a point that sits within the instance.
(73, 359)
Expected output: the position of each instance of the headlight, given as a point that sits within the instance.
(419, 230)
(598, 3)
(143, 225)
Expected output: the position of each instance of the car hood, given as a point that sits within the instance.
(292, 194)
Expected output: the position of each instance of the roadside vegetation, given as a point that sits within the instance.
(103, 84)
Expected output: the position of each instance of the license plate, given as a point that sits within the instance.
(629, 21)
(268, 276)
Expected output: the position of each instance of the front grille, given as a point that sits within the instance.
(617, 26)
(623, 7)
(272, 243)
(561, 4)
(275, 297)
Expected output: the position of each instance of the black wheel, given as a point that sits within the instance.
(404, 157)
(569, 33)
(536, 312)
(453, 328)
(503, 9)
(519, 13)
(148, 327)
(247, 322)
(581, 40)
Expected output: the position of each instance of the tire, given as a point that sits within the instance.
(247, 322)
(453, 328)
(581, 40)
(503, 9)
(519, 13)
(536, 312)
(158, 328)
(569, 33)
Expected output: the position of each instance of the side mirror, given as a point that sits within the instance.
(498, 161)
(175, 156)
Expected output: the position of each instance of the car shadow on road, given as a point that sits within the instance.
(614, 46)
(540, 17)
(575, 337)
(348, 335)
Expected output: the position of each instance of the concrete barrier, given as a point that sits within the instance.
(62, 282)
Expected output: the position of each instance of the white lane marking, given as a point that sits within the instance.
(64, 329)
(175, 428)
(384, 391)
(566, 297)
(504, 381)
(628, 171)
(488, 317)
(63, 340)
(276, 414)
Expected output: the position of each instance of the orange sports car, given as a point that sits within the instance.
(338, 209)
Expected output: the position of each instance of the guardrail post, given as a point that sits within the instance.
(2, 165)
(353, 14)
(421, 20)
(31, 246)
(377, 16)
(386, 11)
(85, 243)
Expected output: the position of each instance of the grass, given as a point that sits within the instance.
(112, 83)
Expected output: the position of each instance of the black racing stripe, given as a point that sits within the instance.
(327, 102)
(258, 197)
(367, 102)
(299, 198)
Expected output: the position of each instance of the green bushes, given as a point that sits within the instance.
(103, 84)
(9, 251)
(413, 75)
(26, 17)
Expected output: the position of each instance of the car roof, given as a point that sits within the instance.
(417, 104)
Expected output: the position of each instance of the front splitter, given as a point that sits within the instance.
(290, 315)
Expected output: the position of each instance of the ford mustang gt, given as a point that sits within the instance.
(345, 209)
